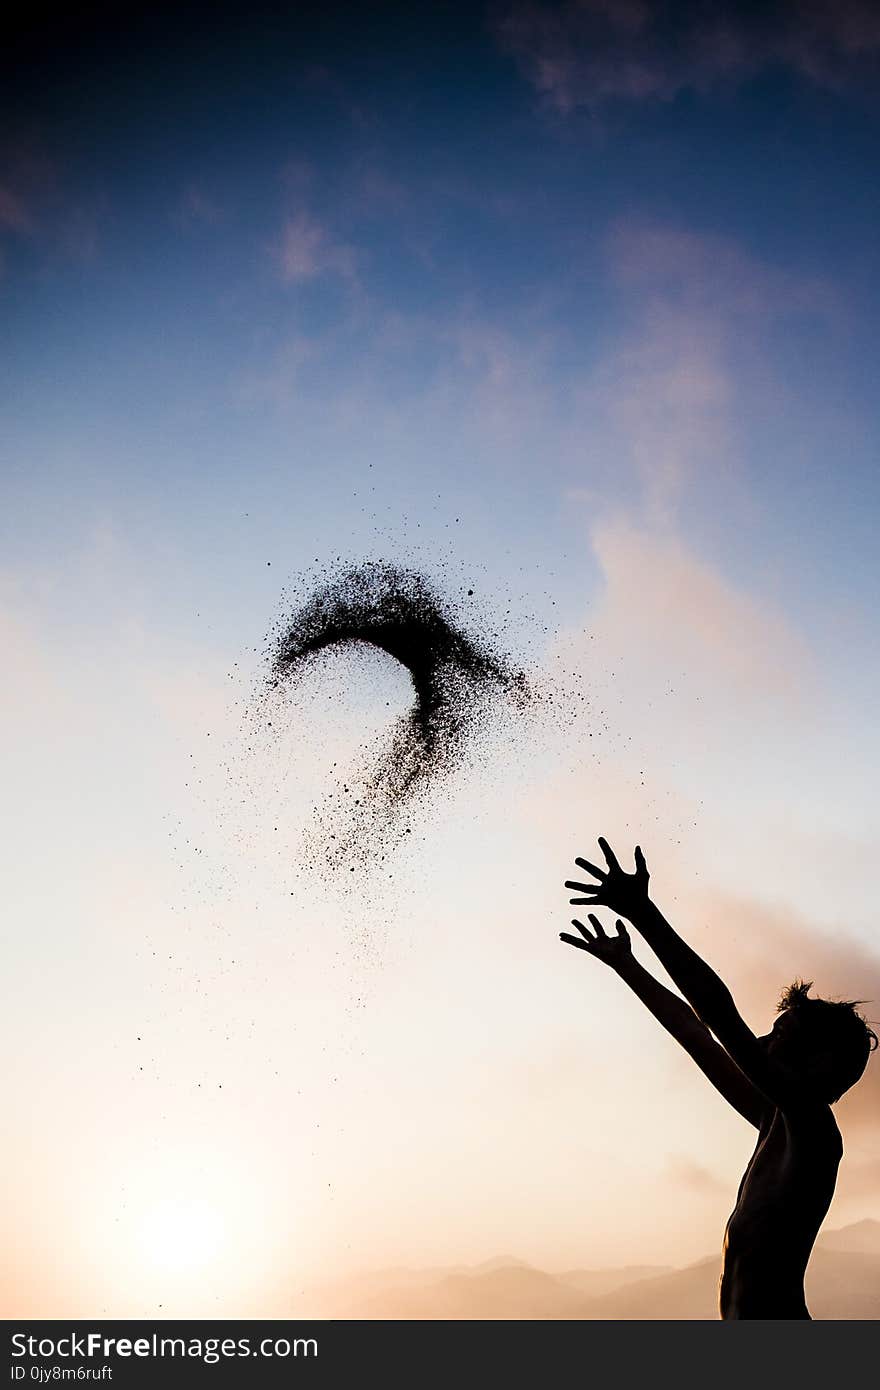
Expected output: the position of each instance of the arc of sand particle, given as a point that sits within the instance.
(394, 610)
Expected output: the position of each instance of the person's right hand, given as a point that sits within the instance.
(621, 892)
(613, 950)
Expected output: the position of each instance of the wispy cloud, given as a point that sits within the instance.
(38, 207)
(664, 395)
(307, 250)
(583, 53)
(15, 215)
(710, 273)
(675, 610)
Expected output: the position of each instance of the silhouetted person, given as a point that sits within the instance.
(784, 1084)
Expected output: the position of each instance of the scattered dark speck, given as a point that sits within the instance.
(456, 678)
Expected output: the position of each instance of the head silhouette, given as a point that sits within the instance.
(826, 1041)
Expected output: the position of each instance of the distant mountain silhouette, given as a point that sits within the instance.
(843, 1283)
(595, 1282)
(690, 1293)
(862, 1235)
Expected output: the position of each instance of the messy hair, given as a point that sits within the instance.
(836, 1027)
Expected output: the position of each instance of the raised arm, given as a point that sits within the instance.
(677, 1017)
(709, 996)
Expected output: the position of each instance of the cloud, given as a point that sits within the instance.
(583, 53)
(686, 1173)
(659, 423)
(669, 609)
(15, 216)
(38, 207)
(664, 399)
(307, 251)
(710, 274)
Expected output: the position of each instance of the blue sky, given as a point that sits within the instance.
(153, 332)
(449, 186)
(574, 303)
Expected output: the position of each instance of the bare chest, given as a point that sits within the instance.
(785, 1191)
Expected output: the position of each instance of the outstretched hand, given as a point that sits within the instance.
(622, 892)
(613, 950)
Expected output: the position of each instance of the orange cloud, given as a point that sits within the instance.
(667, 608)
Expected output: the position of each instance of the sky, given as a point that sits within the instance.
(572, 305)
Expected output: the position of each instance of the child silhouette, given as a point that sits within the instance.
(783, 1083)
